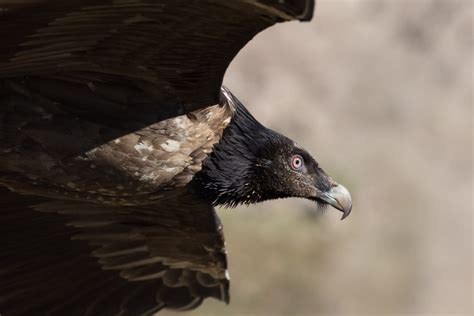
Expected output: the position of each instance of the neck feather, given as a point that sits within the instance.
(231, 174)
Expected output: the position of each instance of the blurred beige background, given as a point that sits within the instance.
(381, 93)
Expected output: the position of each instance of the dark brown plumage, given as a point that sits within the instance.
(116, 143)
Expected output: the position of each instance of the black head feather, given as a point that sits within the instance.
(252, 163)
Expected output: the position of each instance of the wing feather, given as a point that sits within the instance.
(182, 48)
(57, 258)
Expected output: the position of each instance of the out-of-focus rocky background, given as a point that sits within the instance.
(380, 91)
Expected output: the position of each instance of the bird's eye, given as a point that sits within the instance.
(296, 162)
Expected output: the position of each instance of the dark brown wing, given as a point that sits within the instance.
(175, 50)
(96, 260)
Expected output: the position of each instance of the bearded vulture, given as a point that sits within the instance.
(117, 140)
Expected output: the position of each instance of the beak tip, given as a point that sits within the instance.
(346, 212)
(340, 198)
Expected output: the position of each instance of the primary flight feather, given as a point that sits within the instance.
(116, 142)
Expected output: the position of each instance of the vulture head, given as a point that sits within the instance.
(252, 164)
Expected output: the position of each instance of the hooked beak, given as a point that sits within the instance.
(340, 198)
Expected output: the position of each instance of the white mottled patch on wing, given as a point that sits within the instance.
(180, 123)
(143, 146)
(172, 169)
(171, 146)
(149, 177)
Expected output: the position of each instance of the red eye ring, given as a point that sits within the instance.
(296, 162)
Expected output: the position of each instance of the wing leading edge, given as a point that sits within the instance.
(182, 48)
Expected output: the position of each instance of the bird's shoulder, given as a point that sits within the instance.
(120, 169)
